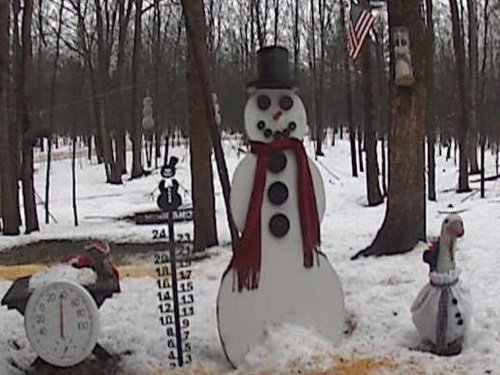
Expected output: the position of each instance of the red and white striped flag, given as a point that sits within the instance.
(360, 24)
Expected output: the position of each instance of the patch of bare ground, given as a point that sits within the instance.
(383, 365)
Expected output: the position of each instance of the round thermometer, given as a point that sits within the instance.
(62, 323)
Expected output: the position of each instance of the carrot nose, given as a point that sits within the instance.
(277, 115)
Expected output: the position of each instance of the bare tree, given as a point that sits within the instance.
(348, 94)
(404, 222)
(53, 82)
(482, 94)
(374, 194)
(429, 114)
(124, 11)
(296, 41)
(28, 133)
(8, 173)
(473, 73)
(195, 27)
(463, 128)
(135, 132)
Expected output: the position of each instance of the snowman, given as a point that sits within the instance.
(277, 273)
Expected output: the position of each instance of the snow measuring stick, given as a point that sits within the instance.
(175, 289)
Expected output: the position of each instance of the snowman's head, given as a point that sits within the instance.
(273, 114)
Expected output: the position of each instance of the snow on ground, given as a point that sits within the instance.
(378, 292)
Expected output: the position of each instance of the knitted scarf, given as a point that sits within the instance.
(247, 257)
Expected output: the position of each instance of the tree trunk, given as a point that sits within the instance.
(89, 148)
(8, 173)
(205, 228)
(53, 83)
(482, 90)
(473, 74)
(136, 133)
(404, 222)
(429, 114)
(360, 148)
(384, 166)
(320, 84)
(157, 62)
(296, 42)
(374, 195)
(28, 140)
(120, 139)
(348, 94)
(196, 31)
(463, 128)
(73, 183)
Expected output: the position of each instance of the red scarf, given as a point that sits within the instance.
(247, 256)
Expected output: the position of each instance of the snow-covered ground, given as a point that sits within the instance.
(378, 291)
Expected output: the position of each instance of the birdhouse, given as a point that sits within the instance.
(402, 56)
(148, 121)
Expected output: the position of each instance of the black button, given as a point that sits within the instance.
(454, 301)
(286, 133)
(263, 102)
(460, 322)
(458, 315)
(278, 135)
(279, 225)
(277, 161)
(277, 193)
(261, 125)
(286, 103)
(292, 126)
(268, 133)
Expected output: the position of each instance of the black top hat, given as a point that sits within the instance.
(272, 69)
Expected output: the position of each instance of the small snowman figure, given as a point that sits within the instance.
(441, 312)
(277, 273)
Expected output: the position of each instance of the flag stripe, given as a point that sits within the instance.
(360, 24)
(362, 37)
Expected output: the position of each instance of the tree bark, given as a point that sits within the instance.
(481, 97)
(73, 182)
(136, 133)
(28, 138)
(205, 228)
(404, 222)
(8, 173)
(53, 83)
(196, 31)
(463, 128)
(429, 114)
(123, 123)
(374, 195)
(348, 95)
(296, 42)
(473, 73)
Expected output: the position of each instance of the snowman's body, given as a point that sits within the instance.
(287, 292)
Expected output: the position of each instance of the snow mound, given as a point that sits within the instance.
(287, 346)
(83, 276)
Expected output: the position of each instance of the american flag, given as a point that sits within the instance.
(360, 24)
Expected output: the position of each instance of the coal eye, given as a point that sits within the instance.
(446, 221)
(263, 102)
(286, 103)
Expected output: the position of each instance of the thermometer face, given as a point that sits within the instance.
(62, 323)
